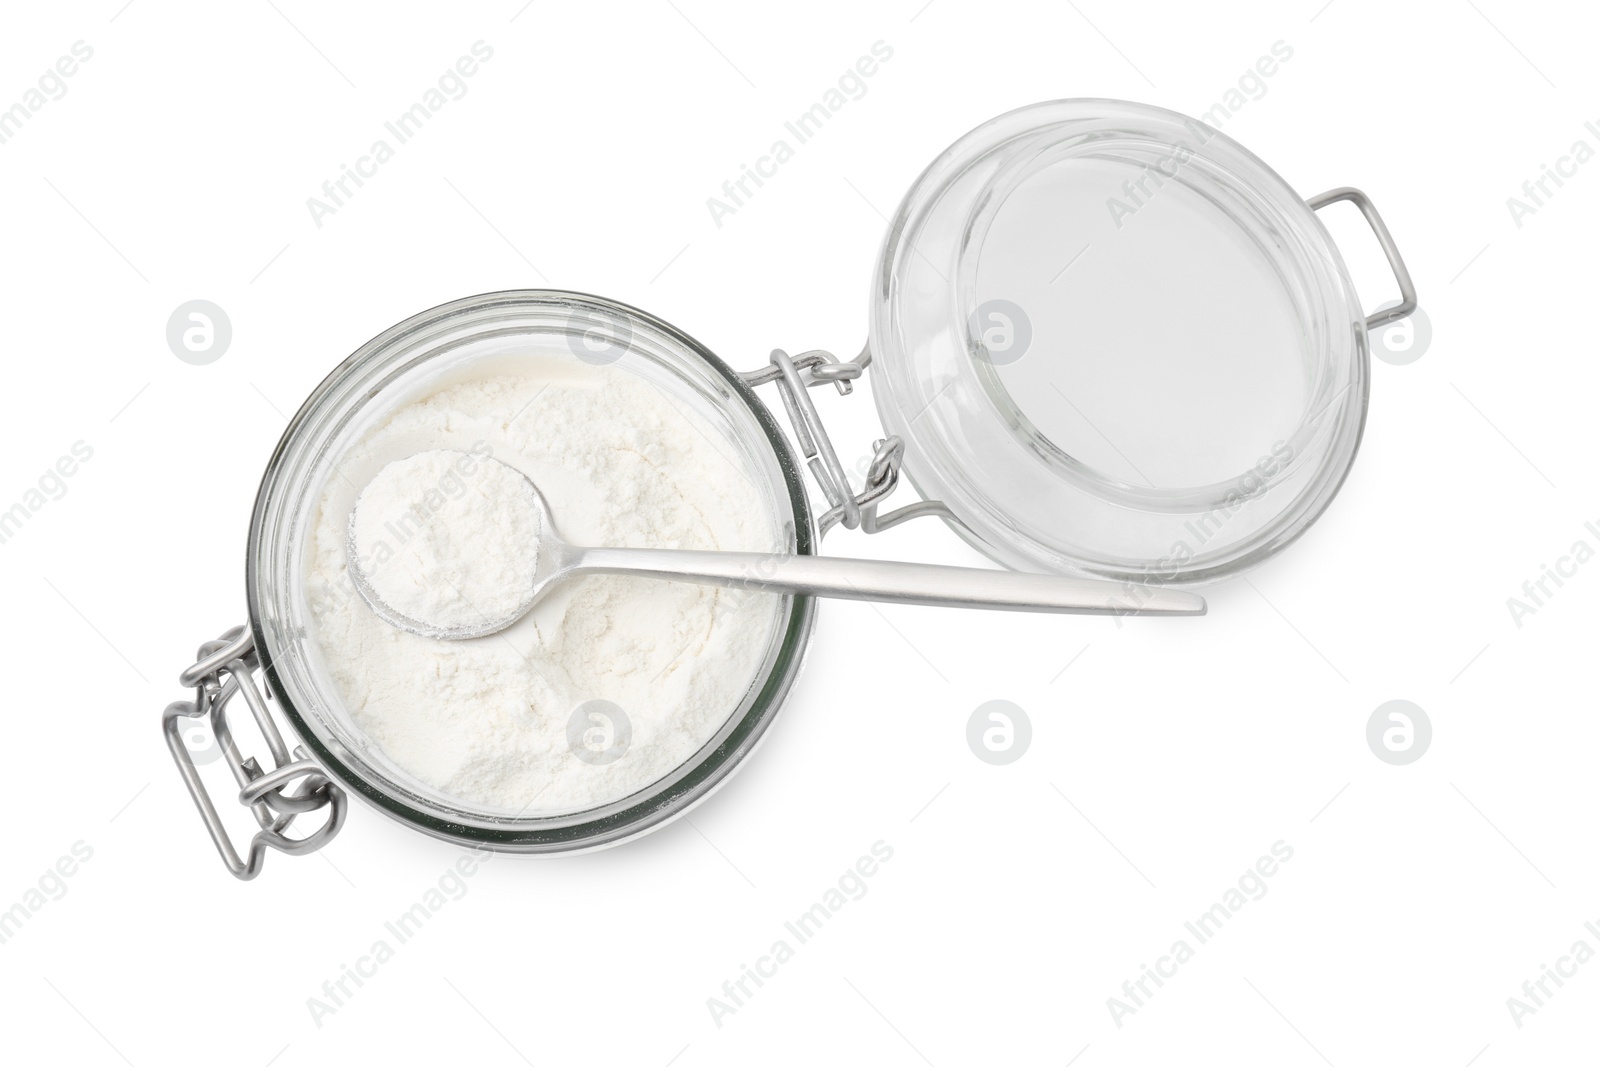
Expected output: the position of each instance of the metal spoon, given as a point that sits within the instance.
(830, 576)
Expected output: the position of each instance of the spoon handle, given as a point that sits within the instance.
(893, 582)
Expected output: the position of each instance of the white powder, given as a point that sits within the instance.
(465, 560)
(487, 720)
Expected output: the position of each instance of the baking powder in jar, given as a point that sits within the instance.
(610, 682)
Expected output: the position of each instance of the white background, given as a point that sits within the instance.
(1167, 755)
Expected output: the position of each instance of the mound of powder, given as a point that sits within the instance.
(466, 559)
(611, 682)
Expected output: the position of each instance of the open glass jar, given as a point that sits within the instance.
(1104, 340)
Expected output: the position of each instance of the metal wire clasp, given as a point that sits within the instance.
(847, 508)
(225, 668)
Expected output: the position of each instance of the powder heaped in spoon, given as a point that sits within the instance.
(449, 539)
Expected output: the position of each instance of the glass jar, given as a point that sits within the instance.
(480, 334)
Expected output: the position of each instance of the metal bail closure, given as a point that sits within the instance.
(1391, 252)
(225, 668)
(846, 508)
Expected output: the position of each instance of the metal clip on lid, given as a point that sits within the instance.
(852, 510)
(225, 668)
(1391, 252)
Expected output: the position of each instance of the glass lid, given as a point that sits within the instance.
(1117, 344)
